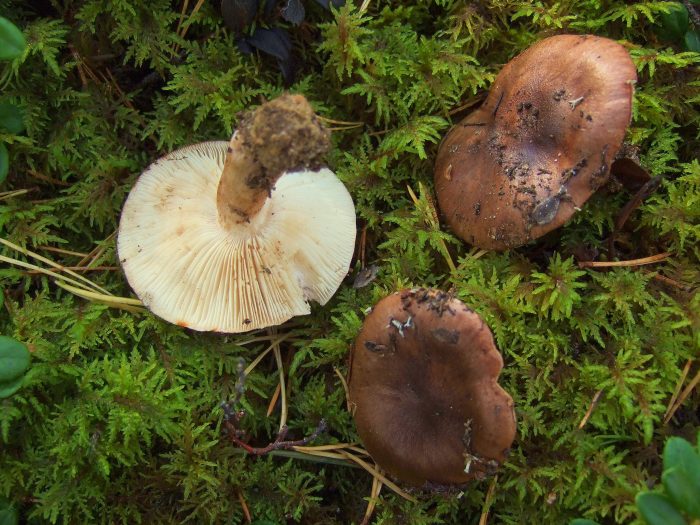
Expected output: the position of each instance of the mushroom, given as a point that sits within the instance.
(423, 390)
(229, 237)
(542, 143)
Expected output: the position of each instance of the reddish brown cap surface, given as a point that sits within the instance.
(541, 144)
(424, 392)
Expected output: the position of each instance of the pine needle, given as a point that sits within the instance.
(372, 470)
(372, 503)
(681, 399)
(487, 501)
(345, 387)
(677, 390)
(633, 262)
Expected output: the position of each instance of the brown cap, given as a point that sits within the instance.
(424, 392)
(541, 144)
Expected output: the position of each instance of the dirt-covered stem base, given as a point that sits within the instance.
(280, 136)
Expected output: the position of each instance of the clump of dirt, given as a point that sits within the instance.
(280, 136)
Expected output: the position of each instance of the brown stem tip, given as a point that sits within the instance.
(280, 136)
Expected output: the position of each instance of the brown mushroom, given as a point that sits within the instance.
(542, 143)
(423, 390)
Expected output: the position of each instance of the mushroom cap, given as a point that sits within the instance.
(423, 390)
(190, 270)
(540, 145)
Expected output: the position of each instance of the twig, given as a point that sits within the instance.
(677, 391)
(591, 408)
(233, 417)
(671, 282)
(278, 444)
(633, 262)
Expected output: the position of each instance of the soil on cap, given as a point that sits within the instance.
(282, 135)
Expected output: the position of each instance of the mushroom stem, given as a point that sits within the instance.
(279, 136)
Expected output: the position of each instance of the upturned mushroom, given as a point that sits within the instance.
(540, 145)
(423, 390)
(233, 236)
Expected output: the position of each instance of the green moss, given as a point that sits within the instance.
(118, 419)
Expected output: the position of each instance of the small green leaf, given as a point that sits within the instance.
(658, 510)
(8, 513)
(11, 118)
(4, 162)
(683, 489)
(674, 24)
(14, 359)
(679, 453)
(12, 41)
(681, 476)
(692, 41)
(583, 521)
(10, 387)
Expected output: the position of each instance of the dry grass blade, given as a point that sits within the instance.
(273, 400)
(591, 408)
(487, 501)
(372, 503)
(372, 470)
(44, 271)
(260, 357)
(186, 25)
(341, 122)
(244, 505)
(123, 303)
(345, 387)
(13, 193)
(633, 262)
(683, 397)
(57, 266)
(332, 446)
(677, 391)
(61, 251)
(185, 5)
(96, 252)
(283, 389)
